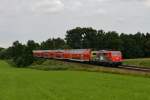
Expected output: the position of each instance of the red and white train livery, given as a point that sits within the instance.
(82, 55)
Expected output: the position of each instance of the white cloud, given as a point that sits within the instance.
(147, 3)
(74, 5)
(47, 6)
(120, 19)
(101, 0)
(101, 11)
(18, 18)
(86, 7)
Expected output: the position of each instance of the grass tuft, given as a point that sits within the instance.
(143, 62)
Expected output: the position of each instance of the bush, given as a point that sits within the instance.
(23, 61)
(19, 62)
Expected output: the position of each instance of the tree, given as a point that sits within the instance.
(132, 45)
(1, 48)
(79, 38)
(17, 49)
(21, 54)
(100, 40)
(74, 38)
(27, 56)
(112, 41)
(3, 53)
(31, 45)
(147, 48)
(89, 38)
(48, 44)
(57, 43)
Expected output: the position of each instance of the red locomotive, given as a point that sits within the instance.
(82, 55)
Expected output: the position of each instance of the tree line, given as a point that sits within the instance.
(132, 45)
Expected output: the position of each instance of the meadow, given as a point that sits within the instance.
(31, 84)
(141, 62)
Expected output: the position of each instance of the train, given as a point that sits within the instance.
(103, 57)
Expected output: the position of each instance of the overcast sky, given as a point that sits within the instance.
(41, 19)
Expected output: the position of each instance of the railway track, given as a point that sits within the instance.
(135, 68)
(125, 67)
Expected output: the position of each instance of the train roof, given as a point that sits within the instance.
(106, 51)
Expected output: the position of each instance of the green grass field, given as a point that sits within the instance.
(145, 62)
(31, 84)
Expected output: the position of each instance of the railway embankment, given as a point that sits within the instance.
(57, 65)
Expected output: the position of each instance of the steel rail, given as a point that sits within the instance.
(135, 68)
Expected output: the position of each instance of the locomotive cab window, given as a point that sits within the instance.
(94, 53)
(105, 54)
(116, 53)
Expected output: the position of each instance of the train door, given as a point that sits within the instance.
(94, 55)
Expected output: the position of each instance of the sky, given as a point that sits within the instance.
(42, 19)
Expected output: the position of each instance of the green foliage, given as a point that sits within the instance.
(57, 43)
(1, 49)
(147, 47)
(2, 53)
(74, 38)
(132, 45)
(21, 55)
